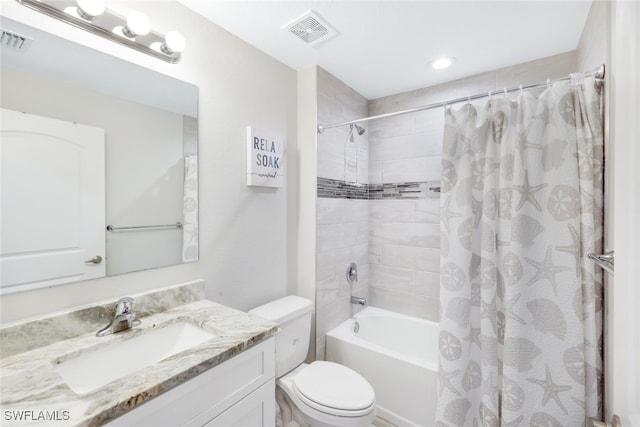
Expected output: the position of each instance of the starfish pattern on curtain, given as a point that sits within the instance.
(521, 305)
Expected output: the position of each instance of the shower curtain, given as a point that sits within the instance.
(190, 209)
(520, 338)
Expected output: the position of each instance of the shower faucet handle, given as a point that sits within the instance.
(352, 272)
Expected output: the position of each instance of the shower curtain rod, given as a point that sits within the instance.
(598, 73)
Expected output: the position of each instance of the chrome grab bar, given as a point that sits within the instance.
(144, 227)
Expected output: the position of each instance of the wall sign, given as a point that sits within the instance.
(265, 158)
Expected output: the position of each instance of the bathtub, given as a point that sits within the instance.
(397, 354)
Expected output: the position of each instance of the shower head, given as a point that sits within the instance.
(358, 129)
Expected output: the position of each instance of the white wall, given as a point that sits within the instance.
(243, 231)
(622, 371)
(612, 31)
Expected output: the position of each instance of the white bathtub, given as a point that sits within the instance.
(398, 355)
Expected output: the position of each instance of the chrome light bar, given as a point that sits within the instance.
(107, 24)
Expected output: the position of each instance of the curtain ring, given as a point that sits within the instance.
(549, 83)
(468, 100)
(520, 87)
(505, 93)
(576, 78)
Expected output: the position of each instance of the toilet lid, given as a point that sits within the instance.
(334, 386)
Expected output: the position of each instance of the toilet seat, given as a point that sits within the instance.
(318, 415)
(334, 389)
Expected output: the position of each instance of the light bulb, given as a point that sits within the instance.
(441, 63)
(174, 42)
(137, 25)
(89, 9)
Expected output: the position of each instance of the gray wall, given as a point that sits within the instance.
(342, 224)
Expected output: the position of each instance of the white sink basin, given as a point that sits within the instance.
(94, 369)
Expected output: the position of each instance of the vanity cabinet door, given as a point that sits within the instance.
(256, 410)
(203, 398)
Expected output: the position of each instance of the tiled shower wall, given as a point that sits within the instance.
(393, 232)
(342, 208)
(404, 234)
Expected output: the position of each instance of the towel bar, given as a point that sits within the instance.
(144, 227)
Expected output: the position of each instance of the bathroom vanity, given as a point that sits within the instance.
(215, 366)
(238, 392)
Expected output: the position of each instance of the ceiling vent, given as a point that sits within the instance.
(311, 29)
(14, 41)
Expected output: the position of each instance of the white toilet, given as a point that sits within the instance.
(320, 394)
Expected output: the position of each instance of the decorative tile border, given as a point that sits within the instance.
(336, 189)
(405, 190)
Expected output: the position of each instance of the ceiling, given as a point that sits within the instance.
(386, 47)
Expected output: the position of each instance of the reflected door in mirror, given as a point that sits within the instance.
(150, 131)
(53, 202)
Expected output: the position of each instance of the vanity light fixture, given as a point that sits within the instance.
(173, 42)
(89, 9)
(137, 25)
(441, 63)
(133, 31)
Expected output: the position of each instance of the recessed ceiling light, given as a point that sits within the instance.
(441, 63)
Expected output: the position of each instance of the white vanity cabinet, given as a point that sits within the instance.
(238, 392)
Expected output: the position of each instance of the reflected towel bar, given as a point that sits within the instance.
(605, 261)
(145, 227)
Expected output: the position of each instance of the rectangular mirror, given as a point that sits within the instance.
(99, 163)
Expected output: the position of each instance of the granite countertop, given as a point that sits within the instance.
(32, 389)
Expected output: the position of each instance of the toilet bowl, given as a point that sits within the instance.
(319, 394)
(326, 394)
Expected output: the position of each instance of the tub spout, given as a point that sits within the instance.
(358, 300)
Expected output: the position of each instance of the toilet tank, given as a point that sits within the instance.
(293, 315)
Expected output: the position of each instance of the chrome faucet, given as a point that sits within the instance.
(124, 318)
(358, 300)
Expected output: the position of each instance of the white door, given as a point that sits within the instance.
(53, 202)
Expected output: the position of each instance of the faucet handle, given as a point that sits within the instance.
(124, 318)
(124, 305)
